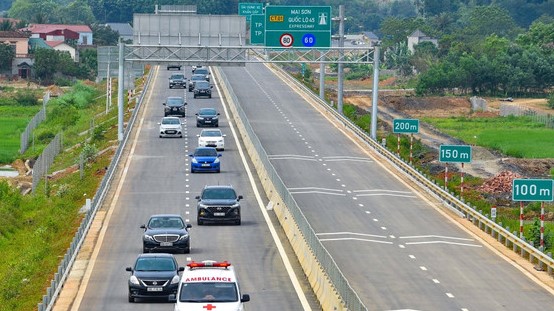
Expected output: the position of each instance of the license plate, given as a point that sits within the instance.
(154, 289)
(219, 214)
(170, 132)
(208, 121)
(166, 244)
(205, 165)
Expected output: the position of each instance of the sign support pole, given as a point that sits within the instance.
(321, 77)
(542, 225)
(411, 147)
(462, 180)
(120, 103)
(341, 65)
(398, 144)
(521, 219)
(446, 177)
(375, 98)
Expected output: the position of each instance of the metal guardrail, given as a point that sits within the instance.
(57, 283)
(544, 261)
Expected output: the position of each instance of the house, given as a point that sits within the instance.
(124, 29)
(418, 37)
(82, 34)
(64, 47)
(20, 41)
(371, 37)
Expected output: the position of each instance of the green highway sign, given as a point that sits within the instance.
(257, 29)
(455, 153)
(406, 126)
(247, 9)
(532, 190)
(297, 26)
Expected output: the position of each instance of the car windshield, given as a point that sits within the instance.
(210, 133)
(155, 264)
(219, 193)
(177, 77)
(208, 292)
(166, 222)
(207, 112)
(196, 77)
(203, 84)
(205, 152)
(171, 121)
(174, 102)
(201, 71)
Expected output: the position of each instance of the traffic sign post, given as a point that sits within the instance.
(257, 29)
(405, 126)
(297, 26)
(454, 154)
(247, 9)
(532, 190)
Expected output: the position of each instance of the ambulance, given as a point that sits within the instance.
(209, 285)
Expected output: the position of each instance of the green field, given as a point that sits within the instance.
(13, 121)
(513, 136)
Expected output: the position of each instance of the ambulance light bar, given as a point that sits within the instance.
(208, 263)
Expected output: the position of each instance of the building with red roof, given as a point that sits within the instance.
(82, 34)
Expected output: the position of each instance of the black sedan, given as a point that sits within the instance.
(207, 117)
(154, 276)
(166, 233)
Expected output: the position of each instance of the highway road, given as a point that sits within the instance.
(396, 248)
(158, 180)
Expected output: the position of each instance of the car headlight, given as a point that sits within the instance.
(235, 205)
(220, 141)
(216, 160)
(148, 237)
(194, 160)
(175, 279)
(183, 237)
(133, 280)
(201, 205)
(200, 118)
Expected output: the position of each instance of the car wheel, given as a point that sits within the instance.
(145, 250)
(131, 298)
(237, 222)
(218, 171)
(186, 250)
(209, 96)
(197, 124)
(200, 222)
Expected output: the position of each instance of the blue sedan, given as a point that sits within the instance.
(205, 159)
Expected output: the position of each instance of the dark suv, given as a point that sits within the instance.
(202, 88)
(177, 80)
(207, 117)
(174, 106)
(218, 204)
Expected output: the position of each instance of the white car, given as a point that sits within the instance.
(209, 285)
(212, 138)
(171, 127)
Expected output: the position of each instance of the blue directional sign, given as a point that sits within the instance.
(532, 190)
(455, 153)
(297, 26)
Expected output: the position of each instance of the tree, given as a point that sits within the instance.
(36, 11)
(104, 35)
(46, 64)
(6, 25)
(7, 54)
(77, 12)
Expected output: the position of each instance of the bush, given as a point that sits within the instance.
(26, 98)
(89, 152)
(550, 101)
(8, 101)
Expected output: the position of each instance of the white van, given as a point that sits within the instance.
(209, 285)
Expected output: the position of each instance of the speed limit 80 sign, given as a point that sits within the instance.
(286, 40)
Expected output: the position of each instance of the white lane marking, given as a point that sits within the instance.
(436, 281)
(288, 266)
(355, 239)
(423, 268)
(382, 190)
(465, 309)
(367, 212)
(386, 194)
(384, 228)
(392, 236)
(317, 192)
(401, 246)
(449, 295)
(114, 203)
(412, 256)
(435, 236)
(360, 205)
(316, 188)
(352, 233)
(375, 219)
(443, 242)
